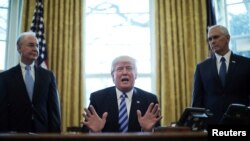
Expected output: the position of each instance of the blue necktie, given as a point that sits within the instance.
(29, 82)
(223, 71)
(123, 115)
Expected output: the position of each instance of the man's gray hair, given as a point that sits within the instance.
(222, 28)
(22, 35)
(123, 59)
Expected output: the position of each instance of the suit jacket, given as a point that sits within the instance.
(22, 115)
(209, 93)
(105, 100)
(3, 107)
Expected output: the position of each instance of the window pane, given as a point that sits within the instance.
(233, 1)
(239, 26)
(2, 54)
(239, 19)
(3, 23)
(3, 31)
(4, 3)
(116, 34)
(241, 45)
(120, 6)
(94, 84)
(100, 57)
(144, 83)
(107, 28)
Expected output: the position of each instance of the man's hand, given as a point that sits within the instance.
(150, 118)
(92, 120)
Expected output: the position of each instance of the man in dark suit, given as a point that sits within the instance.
(214, 92)
(141, 106)
(38, 111)
(3, 107)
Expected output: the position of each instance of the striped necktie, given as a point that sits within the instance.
(29, 82)
(123, 115)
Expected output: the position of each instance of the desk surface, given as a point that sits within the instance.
(169, 136)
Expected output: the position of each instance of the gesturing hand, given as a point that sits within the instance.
(150, 118)
(92, 120)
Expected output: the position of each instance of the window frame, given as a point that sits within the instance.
(13, 30)
(223, 20)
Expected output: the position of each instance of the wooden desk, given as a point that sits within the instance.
(166, 136)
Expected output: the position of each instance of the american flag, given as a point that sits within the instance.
(37, 26)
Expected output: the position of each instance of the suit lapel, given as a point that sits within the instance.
(36, 88)
(135, 105)
(19, 81)
(232, 66)
(113, 107)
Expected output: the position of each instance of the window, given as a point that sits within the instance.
(235, 14)
(10, 18)
(4, 9)
(113, 28)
